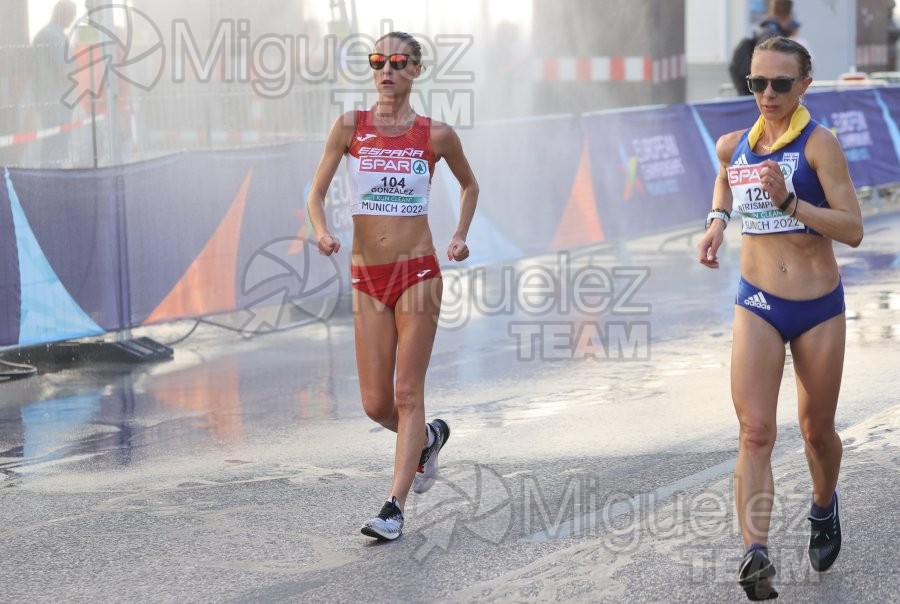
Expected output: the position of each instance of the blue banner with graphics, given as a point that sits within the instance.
(10, 287)
(723, 117)
(889, 103)
(650, 169)
(533, 166)
(864, 121)
(857, 119)
(85, 252)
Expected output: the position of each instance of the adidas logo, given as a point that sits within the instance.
(758, 300)
(741, 161)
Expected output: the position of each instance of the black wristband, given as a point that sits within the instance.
(787, 202)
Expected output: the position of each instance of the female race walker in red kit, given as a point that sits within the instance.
(391, 156)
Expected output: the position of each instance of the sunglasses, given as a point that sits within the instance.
(397, 60)
(780, 85)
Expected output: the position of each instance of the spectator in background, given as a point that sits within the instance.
(507, 60)
(50, 82)
(779, 22)
(314, 73)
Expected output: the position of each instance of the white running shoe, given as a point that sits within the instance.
(387, 525)
(427, 472)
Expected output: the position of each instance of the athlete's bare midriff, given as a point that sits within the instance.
(809, 267)
(385, 239)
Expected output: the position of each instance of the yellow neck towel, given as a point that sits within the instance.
(798, 122)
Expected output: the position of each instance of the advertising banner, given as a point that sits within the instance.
(727, 116)
(10, 288)
(532, 166)
(650, 170)
(85, 252)
(857, 119)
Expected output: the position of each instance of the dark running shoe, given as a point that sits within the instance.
(387, 525)
(755, 576)
(427, 472)
(825, 539)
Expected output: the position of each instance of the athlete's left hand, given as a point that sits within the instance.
(458, 250)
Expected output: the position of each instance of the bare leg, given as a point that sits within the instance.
(818, 364)
(376, 350)
(757, 366)
(416, 314)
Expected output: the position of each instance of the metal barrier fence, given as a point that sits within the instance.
(127, 123)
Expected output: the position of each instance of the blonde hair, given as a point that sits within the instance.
(790, 47)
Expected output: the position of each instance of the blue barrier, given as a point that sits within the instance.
(85, 252)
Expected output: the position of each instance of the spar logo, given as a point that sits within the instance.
(392, 161)
(744, 175)
(392, 165)
(789, 164)
(750, 175)
(387, 165)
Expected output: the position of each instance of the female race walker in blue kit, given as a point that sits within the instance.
(788, 178)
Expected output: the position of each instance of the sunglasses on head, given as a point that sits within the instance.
(780, 85)
(397, 60)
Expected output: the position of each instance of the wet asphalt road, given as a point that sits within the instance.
(590, 456)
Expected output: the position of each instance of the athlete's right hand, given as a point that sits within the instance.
(328, 244)
(709, 245)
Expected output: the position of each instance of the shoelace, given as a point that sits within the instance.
(426, 452)
(390, 510)
(824, 526)
(749, 561)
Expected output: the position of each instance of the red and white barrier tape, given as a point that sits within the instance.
(10, 140)
(612, 69)
(872, 54)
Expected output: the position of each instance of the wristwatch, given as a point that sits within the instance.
(784, 205)
(720, 214)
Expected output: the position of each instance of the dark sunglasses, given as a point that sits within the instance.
(780, 85)
(397, 60)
